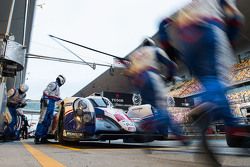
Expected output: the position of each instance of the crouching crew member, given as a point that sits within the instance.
(16, 99)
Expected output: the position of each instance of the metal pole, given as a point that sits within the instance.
(8, 26)
(10, 17)
(25, 21)
(15, 81)
(93, 67)
(34, 56)
(22, 73)
(73, 43)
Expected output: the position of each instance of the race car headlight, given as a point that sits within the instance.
(84, 118)
(87, 117)
(80, 107)
(83, 111)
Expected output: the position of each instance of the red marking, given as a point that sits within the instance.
(119, 117)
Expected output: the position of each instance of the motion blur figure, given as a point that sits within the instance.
(204, 33)
(50, 96)
(16, 99)
(145, 75)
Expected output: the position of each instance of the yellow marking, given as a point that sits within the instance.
(42, 158)
(66, 147)
(112, 149)
(89, 148)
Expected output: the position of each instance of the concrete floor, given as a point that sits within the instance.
(95, 154)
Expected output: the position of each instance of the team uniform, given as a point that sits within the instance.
(50, 96)
(204, 33)
(16, 99)
(145, 75)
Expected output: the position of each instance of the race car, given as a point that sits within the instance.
(143, 118)
(94, 118)
(240, 135)
(236, 136)
(91, 118)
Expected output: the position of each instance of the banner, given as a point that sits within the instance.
(123, 100)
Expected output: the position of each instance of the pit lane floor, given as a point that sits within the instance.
(25, 153)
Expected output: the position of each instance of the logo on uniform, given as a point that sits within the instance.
(136, 99)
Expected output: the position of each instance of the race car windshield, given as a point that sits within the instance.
(98, 102)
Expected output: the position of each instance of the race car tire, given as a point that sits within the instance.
(234, 141)
(60, 128)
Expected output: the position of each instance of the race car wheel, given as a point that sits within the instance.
(60, 128)
(238, 141)
(233, 141)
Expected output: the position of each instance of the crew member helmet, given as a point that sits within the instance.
(23, 88)
(61, 79)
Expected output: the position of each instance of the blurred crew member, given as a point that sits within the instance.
(50, 96)
(204, 32)
(16, 99)
(145, 75)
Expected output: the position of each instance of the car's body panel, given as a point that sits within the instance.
(96, 122)
(95, 118)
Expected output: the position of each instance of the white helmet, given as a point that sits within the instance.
(61, 79)
(23, 88)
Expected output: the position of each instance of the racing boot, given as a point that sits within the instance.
(44, 140)
(37, 140)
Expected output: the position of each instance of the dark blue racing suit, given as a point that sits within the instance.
(50, 97)
(204, 33)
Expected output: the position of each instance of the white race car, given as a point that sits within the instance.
(91, 118)
(95, 118)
